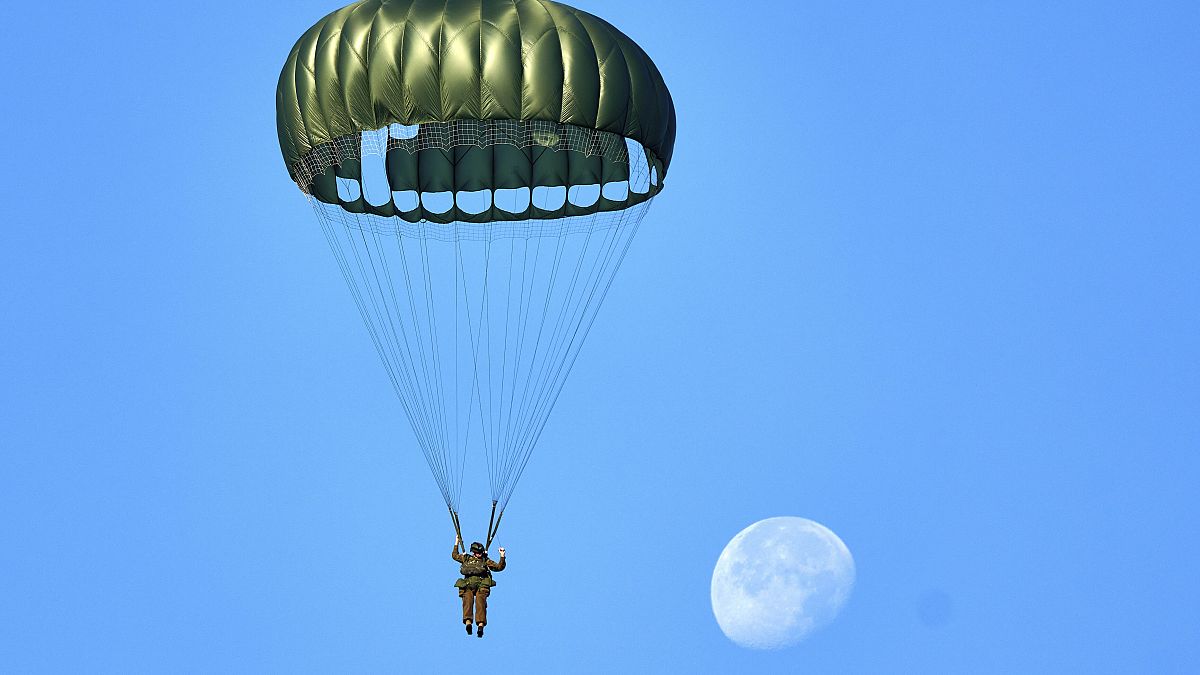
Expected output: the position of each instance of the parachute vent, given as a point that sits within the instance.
(441, 160)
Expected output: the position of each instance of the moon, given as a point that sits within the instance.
(778, 580)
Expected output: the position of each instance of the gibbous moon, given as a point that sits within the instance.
(778, 580)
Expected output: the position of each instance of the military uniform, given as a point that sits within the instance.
(476, 583)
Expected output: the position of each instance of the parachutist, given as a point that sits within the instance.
(476, 583)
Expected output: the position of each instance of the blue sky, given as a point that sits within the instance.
(922, 272)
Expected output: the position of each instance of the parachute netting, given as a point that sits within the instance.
(479, 324)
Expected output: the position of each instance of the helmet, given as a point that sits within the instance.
(477, 547)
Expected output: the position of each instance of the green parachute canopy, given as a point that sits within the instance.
(479, 169)
(508, 94)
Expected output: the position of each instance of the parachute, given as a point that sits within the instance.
(479, 169)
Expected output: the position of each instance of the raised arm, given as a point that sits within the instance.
(497, 566)
(454, 551)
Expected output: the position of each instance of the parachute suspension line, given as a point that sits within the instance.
(628, 221)
(436, 459)
(457, 426)
(583, 305)
(508, 461)
(409, 370)
(537, 386)
(499, 419)
(421, 392)
(555, 332)
(478, 340)
(522, 322)
(485, 315)
(433, 343)
(520, 412)
(538, 412)
(429, 417)
(465, 428)
(522, 316)
(440, 471)
(368, 312)
(449, 426)
(385, 312)
(391, 315)
(581, 331)
(475, 342)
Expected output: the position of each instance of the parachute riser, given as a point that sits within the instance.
(493, 527)
(492, 530)
(462, 547)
